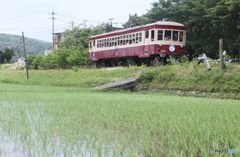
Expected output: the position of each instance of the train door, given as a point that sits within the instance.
(147, 41)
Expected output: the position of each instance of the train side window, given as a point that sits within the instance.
(168, 35)
(107, 42)
(160, 35)
(175, 35)
(130, 39)
(146, 34)
(181, 37)
(137, 38)
(134, 38)
(102, 43)
(152, 35)
(126, 40)
(115, 42)
(140, 37)
(120, 42)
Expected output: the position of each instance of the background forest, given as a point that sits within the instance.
(206, 22)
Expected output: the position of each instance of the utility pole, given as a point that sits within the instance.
(25, 55)
(221, 59)
(85, 23)
(72, 24)
(111, 21)
(53, 19)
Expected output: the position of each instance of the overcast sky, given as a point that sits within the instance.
(32, 16)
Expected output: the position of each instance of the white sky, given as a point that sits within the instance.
(32, 16)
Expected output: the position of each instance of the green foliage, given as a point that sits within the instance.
(7, 55)
(1, 57)
(184, 59)
(206, 22)
(191, 77)
(59, 59)
(72, 51)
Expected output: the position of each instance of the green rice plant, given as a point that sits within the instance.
(55, 121)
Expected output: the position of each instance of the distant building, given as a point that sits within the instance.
(58, 37)
(20, 64)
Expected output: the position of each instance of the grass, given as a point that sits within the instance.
(82, 78)
(192, 77)
(69, 121)
(185, 77)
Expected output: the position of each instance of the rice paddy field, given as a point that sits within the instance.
(47, 121)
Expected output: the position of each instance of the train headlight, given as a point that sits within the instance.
(172, 48)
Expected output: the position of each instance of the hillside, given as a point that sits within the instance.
(33, 46)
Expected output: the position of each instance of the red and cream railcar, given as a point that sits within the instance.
(144, 43)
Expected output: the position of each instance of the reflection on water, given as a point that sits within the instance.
(17, 146)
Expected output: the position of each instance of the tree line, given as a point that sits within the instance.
(6, 55)
(72, 51)
(206, 22)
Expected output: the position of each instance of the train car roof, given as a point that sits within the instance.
(159, 23)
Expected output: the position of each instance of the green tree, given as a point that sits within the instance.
(134, 20)
(1, 57)
(8, 54)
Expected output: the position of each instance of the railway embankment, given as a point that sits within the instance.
(193, 79)
(182, 79)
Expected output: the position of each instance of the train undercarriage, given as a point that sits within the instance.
(155, 60)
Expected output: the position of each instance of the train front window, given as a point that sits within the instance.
(152, 35)
(181, 37)
(175, 35)
(168, 35)
(160, 35)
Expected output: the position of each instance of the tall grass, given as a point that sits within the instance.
(61, 121)
(184, 77)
